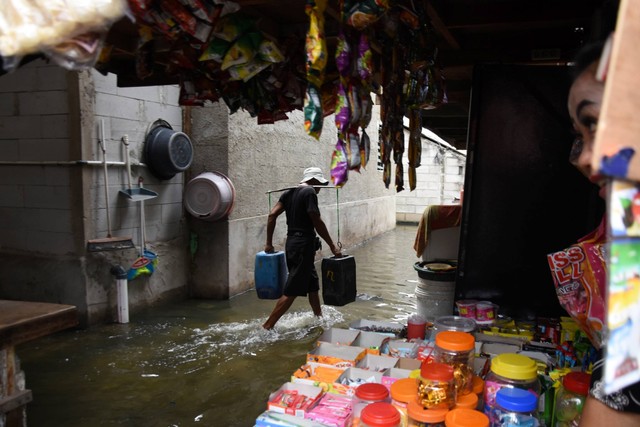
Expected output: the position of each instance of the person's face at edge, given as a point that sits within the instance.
(585, 100)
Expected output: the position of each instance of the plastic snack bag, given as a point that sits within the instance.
(339, 165)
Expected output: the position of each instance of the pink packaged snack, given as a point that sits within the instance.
(579, 275)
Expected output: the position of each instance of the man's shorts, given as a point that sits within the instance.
(303, 277)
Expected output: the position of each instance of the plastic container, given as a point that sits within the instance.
(513, 371)
(416, 327)
(457, 349)
(467, 308)
(380, 414)
(570, 398)
(515, 407)
(435, 291)
(454, 323)
(366, 394)
(436, 389)
(469, 401)
(339, 280)
(478, 390)
(270, 274)
(486, 312)
(420, 417)
(402, 392)
(463, 417)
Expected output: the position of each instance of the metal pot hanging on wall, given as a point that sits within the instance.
(166, 151)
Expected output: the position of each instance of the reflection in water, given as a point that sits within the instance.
(202, 362)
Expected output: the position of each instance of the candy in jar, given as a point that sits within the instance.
(570, 399)
(515, 407)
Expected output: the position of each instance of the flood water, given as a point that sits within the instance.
(202, 362)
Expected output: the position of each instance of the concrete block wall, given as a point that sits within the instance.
(439, 179)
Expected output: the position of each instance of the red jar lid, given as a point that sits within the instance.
(455, 340)
(577, 382)
(380, 414)
(436, 371)
(372, 392)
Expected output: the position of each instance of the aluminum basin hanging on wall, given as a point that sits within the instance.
(210, 196)
(166, 151)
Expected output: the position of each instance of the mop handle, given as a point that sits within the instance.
(103, 148)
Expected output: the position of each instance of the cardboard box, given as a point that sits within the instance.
(391, 375)
(403, 348)
(310, 394)
(351, 378)
(372, 341)
(276, 419)
(336, 355)
(333, 410)
(339, 336)
(320, 375)
(372, 362)
(388, 328)
(408, 363)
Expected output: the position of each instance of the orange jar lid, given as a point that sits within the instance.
(455, 340)
(404, 389)
(372, 392)
(469, 400)
(380, 414)
(436, 371)
(431, 416)
(478, 384)
(463, 417)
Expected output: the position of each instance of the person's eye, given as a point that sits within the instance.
(576, 149)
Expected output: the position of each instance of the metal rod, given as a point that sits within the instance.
(291, 188)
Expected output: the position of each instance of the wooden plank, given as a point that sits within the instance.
(22, 321)
(618, 126)
(15, 401)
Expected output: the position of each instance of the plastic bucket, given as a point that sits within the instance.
(210, 196)
(435, 291)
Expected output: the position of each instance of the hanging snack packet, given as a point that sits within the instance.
(316, 46)
(362, 13)
(366, 104)
(313, 116)
(339, 166)
(579, 275)
(242, 50)
(365, 148)
(364, 64)
(215, 50)
(342, 113)
(232, 26)
(343, 55)
(353, 151)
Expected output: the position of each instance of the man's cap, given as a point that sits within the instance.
(314, 173)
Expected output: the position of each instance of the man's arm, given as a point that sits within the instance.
(271, 225)
(321, 228)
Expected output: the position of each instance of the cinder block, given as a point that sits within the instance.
(46, 149)
(8, 104)
(47, 196)
(9, 149)
(43, 102)
(16, 127)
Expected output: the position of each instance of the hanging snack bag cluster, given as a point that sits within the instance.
(580, 276)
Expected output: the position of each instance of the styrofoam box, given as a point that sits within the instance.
(372, 362)
(387, 328)
(371, 341)
(312, 392)
(339, 336)
(336, 355)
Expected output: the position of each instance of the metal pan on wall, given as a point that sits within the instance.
(210, 196)
(166, 151)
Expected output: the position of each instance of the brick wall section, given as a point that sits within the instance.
(35, 200)
(440, 178)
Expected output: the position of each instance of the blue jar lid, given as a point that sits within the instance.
(516, 399)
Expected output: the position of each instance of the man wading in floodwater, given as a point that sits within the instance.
(303, 220)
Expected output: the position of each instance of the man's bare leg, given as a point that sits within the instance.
(283, 304)
(314, 300)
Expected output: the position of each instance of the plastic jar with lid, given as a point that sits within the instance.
(402, 392)
(364, 395)
(513, 371)
(380, 414)
(570, 398)
(469, 401)
(453, 323)
(478, 389)
(515, 407)
(457, 349)
(436, 388)
(463, 417)
(421, 417)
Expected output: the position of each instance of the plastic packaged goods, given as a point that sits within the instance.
(515, 407)
(463, 417)
(457, 349)
(380, 414)
(437, 389)
(570, 399)
(403, 391)
(513, 371)
(420, 417)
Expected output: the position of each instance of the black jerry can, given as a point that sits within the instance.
(339, 280)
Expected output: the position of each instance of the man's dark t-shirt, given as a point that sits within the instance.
(298, 202)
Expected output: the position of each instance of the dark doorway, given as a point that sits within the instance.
(522, 198)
